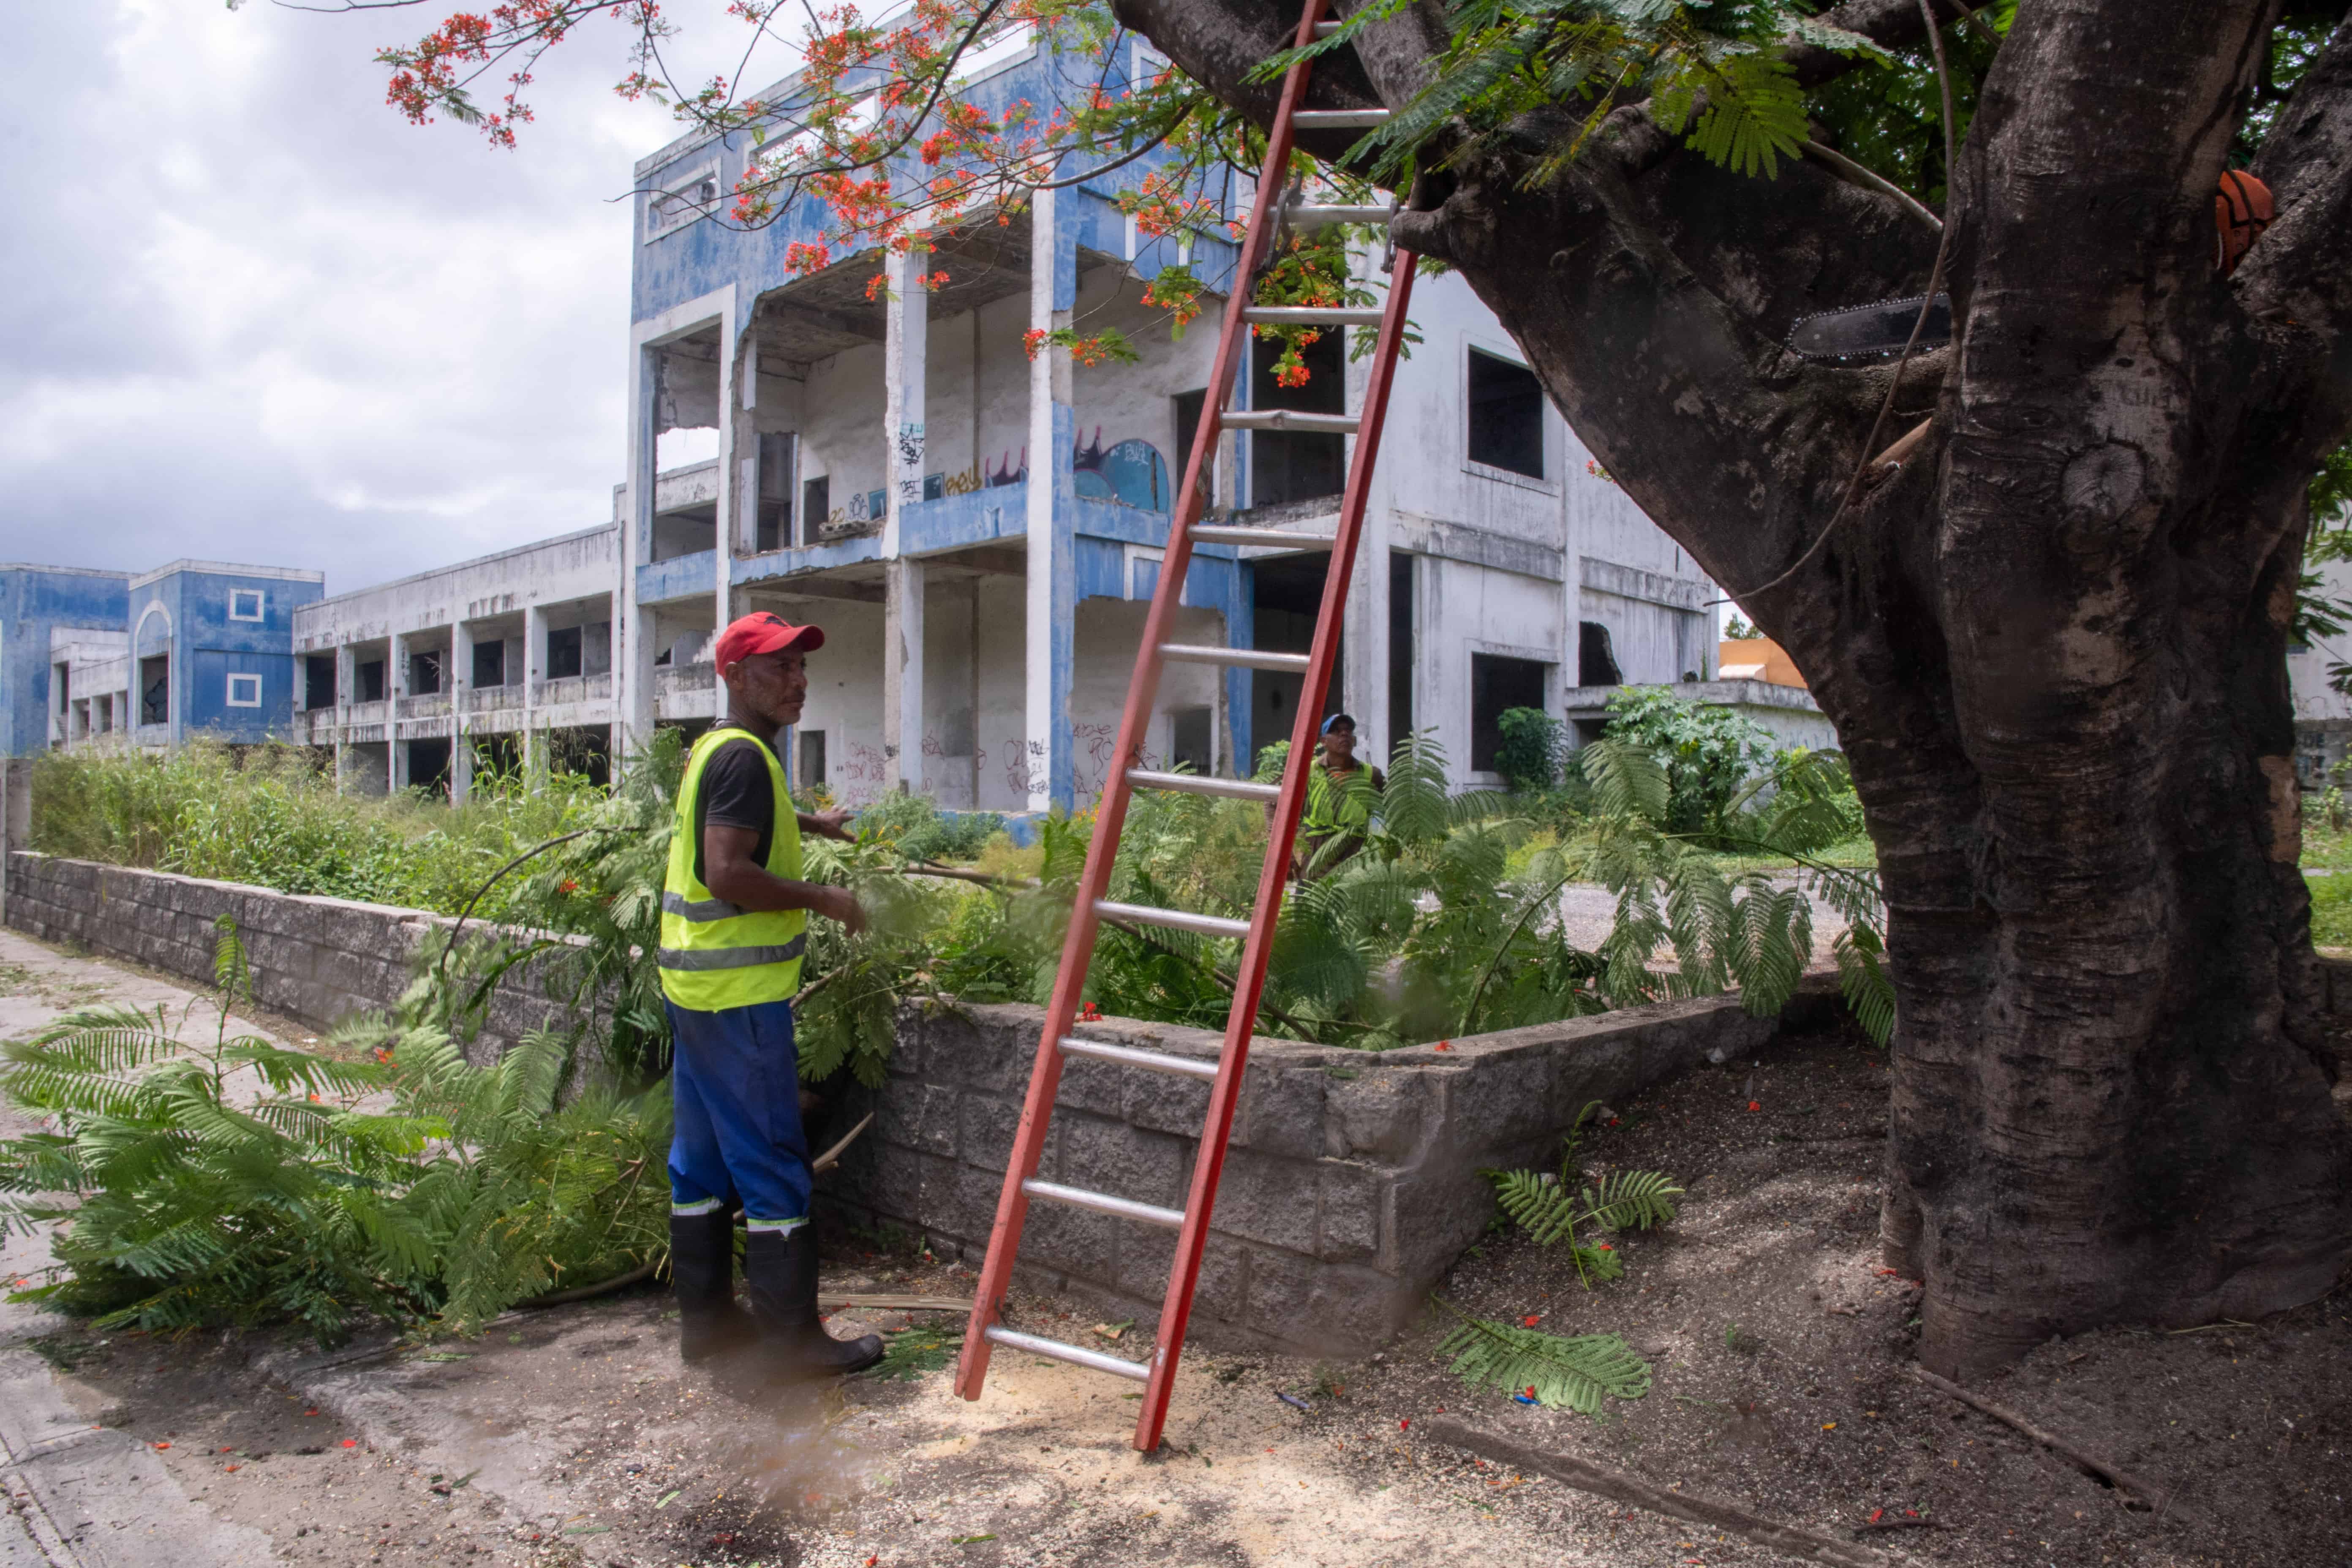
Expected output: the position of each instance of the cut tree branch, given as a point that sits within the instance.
(1584, 1476)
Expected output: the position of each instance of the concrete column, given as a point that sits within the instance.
(534, 657)
(733, 435)
(902, 674)
(906, 360)
(1052, 584)
(971, 671)
(395, 687)
(905, 367)
(347, 677)
(458, 681)
(633, 628)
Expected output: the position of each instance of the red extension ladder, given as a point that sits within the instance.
(1257, 934)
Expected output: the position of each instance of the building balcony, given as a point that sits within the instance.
(686, 691)
(574, 689)
(493, 698)
(374, 712)
(434, 705)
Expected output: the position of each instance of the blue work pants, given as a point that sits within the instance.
(735, 1081)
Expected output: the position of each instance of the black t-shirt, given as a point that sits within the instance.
(736, 794)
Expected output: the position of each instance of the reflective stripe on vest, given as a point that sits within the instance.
(714, 954)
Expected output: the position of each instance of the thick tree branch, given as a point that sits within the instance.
(2301, 271)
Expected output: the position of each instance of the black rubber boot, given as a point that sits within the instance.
(780, 1269)
(702, 1271)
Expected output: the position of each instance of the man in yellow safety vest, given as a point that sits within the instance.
(734, 924)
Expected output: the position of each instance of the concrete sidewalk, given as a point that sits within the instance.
(80, 1494)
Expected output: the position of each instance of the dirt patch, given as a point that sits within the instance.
(1778, 1346)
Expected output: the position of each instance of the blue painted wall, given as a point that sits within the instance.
(187, 613)
(33, 602)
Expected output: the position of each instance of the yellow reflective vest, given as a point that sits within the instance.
(715, 954)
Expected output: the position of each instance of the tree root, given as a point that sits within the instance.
(1793, 1539)
(2090, 1464)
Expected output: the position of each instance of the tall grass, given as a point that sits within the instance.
(269, 816)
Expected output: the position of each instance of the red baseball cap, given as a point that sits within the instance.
(762, 632)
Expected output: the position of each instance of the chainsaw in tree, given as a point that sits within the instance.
(1872, 331)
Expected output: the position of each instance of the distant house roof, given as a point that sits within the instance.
(1755, 658)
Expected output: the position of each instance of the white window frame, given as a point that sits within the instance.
(260, 598)
(673, 205)
(1554, 457)
(236, 702)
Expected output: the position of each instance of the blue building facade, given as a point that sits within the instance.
(36, 603)
(212, 650)
(193, 649)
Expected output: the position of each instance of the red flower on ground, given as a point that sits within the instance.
(1530, 1322)
(1755, 1105)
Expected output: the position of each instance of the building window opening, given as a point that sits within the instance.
(371, 680)
(429, 767)
(1286, 466)
(491, 663)
(1596, 662)
(1189, 740)
(1400, 664)
(563, 653)
(1189, 405)
(246, 603)
(1506, 405)
(423, 674)
(155, 690)
(812, 758)
(774, 527)
(1498, 684)
(245, 691)
(816, 506)
(319, 680)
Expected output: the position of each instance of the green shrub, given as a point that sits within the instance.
(1709, 752)
(269, 816)
(1531, 753)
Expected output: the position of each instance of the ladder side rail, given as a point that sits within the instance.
(1077, 947)
(1225, 1095)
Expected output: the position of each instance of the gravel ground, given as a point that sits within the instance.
(574, 1437)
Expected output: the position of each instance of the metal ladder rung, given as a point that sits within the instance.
(1174, 920)
(1320, 217)
(1291, 419)
(1077, 1355)
(1103, 1203)
(1308, 316)
(1128, 1056)
(1248, 657)
(1205, 534)
(1201, 784)
(1339, 119)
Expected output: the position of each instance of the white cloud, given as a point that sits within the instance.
(254, 315)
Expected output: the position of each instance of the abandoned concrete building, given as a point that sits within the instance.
(978, 531)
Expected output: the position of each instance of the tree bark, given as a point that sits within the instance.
(2053, 642)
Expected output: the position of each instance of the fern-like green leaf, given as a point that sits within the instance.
(1576, 1372)
(1630, 1200)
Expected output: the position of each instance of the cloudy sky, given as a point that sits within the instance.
(252, 314)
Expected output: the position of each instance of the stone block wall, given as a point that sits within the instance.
(1352, 1183)
(315, 960)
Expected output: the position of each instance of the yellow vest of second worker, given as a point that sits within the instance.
(715, 954)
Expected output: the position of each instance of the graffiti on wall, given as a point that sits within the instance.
(1004, 473)
(1131, 473)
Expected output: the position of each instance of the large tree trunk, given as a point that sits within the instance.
(2053, 642)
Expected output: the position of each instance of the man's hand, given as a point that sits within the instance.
(834, 824)
(841, 904)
